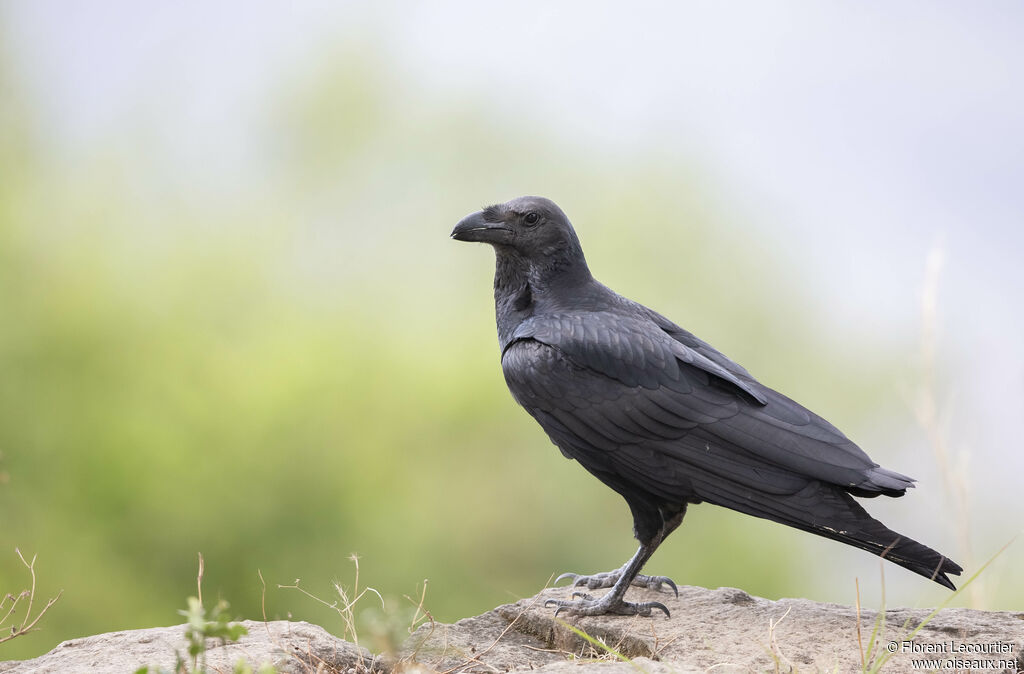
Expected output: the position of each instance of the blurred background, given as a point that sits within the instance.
(232, 321)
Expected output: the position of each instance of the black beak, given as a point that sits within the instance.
(473, 227)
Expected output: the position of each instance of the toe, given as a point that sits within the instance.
(658, 581)
(645, 608)
(570, 575)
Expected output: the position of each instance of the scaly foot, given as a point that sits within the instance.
(609, 578)
(584, 604)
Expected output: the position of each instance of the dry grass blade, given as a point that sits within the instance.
(934, 422)
(773, 645)
(420, 615)
(496, 640)
(885, 656)
(599, 645)
(345, 606)
(28, 623)
(199, 578)
(860, 641)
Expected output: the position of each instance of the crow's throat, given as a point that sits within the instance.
(556, 282)
(513, 295)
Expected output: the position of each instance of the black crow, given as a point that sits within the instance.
(660, 416)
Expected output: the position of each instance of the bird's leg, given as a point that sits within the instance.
(584, 604)
(619, 581)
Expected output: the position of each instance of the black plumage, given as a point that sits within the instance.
(660, 416)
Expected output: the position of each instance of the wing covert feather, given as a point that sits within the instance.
(613, 388)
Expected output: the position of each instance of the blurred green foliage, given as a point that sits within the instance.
(281, 374)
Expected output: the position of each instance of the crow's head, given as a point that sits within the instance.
(532, 228)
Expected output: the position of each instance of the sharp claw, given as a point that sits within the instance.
(574, 576)
(655, 604)
(582, 595)
(559, 610)
(671, 584)
(549, 602)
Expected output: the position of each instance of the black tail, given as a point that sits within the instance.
(861, 530)
(829, 511)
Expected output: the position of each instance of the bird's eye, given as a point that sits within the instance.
(531, 218)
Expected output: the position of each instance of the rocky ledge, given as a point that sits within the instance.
(721, 631)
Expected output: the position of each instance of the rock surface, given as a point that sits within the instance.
(721, 631)
(292, 647)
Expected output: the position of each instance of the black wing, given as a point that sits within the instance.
(619, 392)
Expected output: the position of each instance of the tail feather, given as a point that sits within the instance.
(871, 535)
(829, 511)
